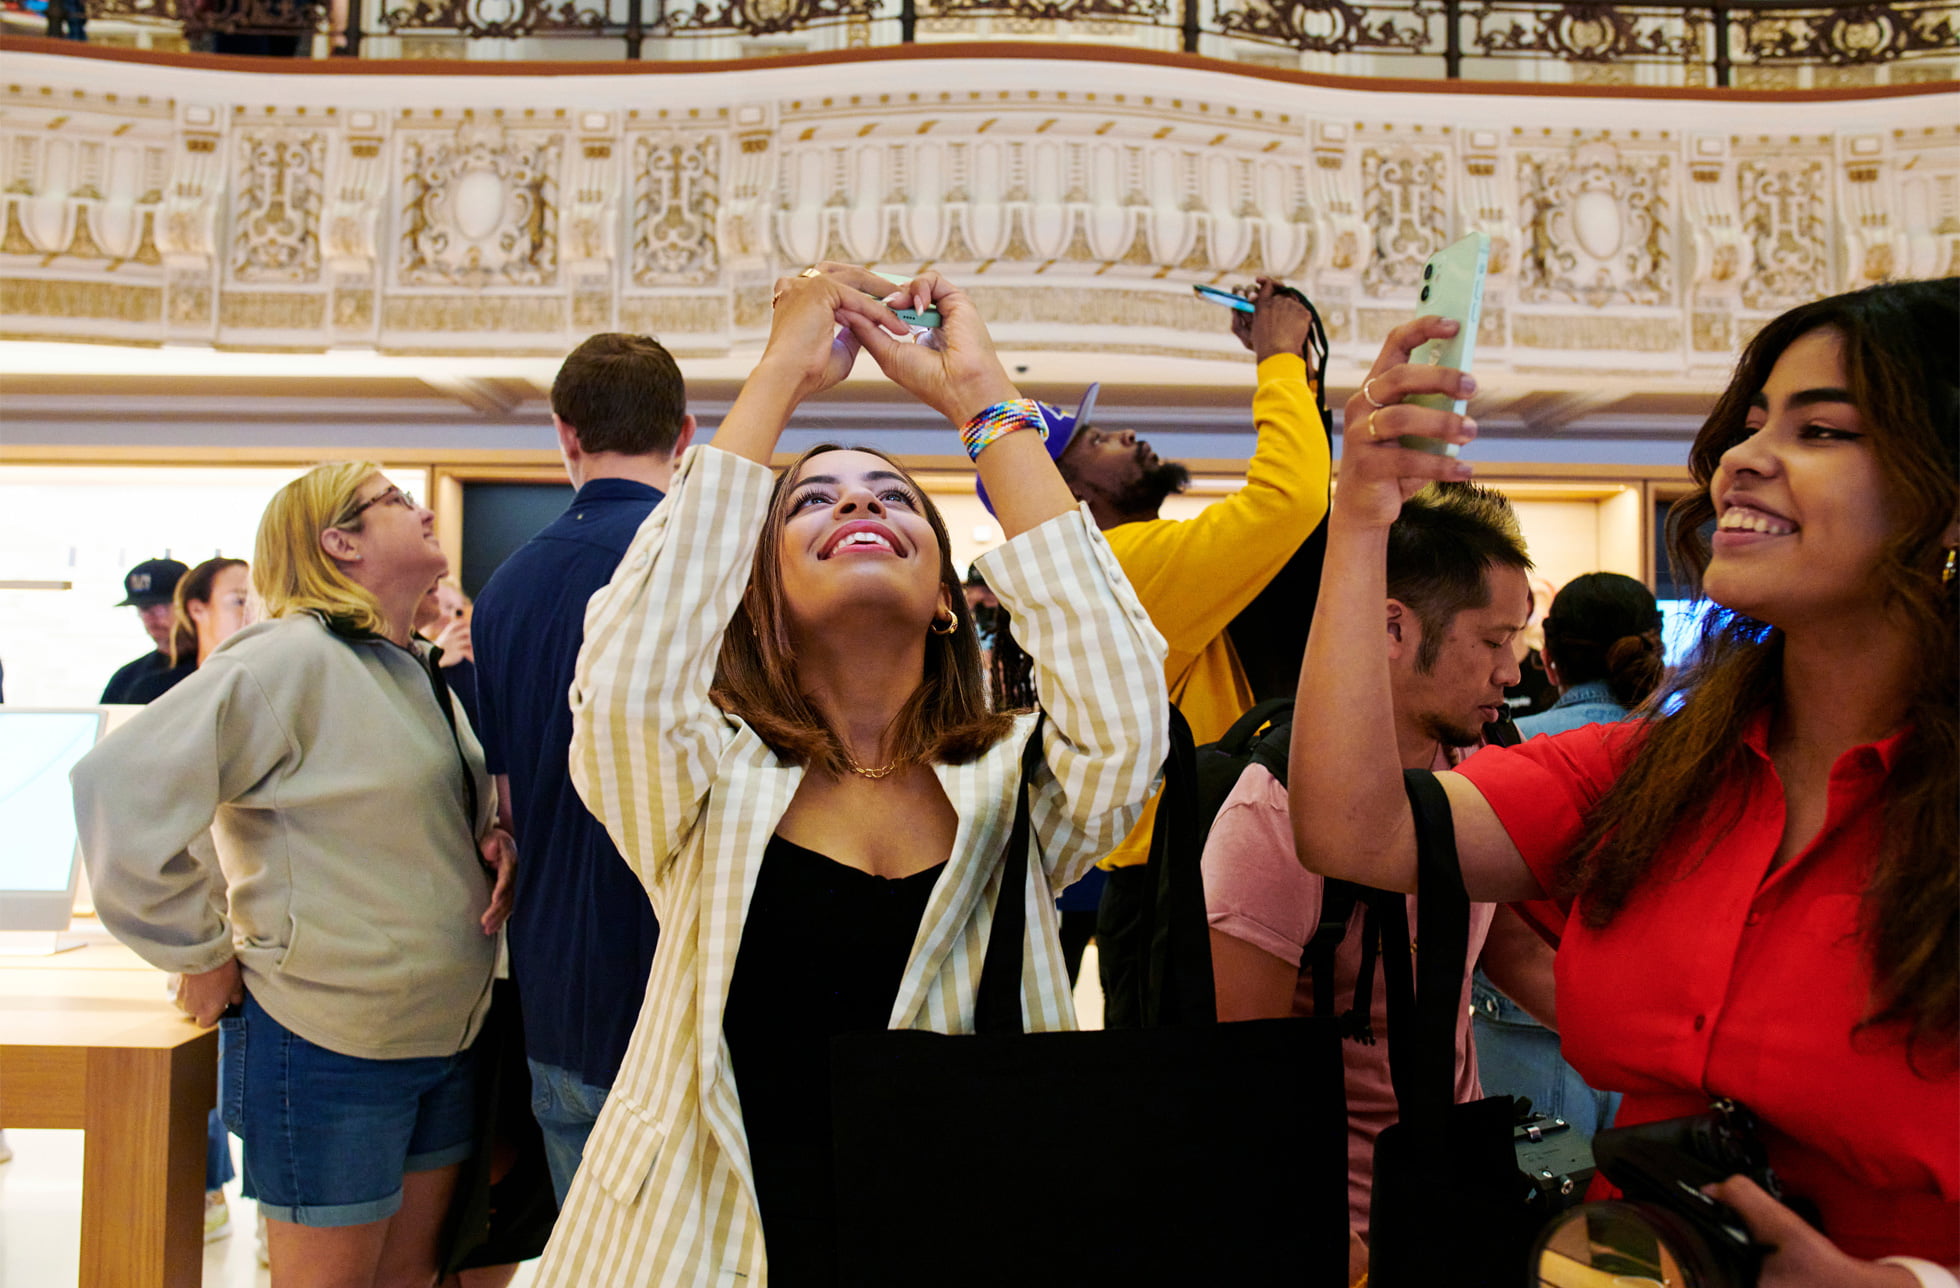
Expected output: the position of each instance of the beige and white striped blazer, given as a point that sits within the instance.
(691, 795)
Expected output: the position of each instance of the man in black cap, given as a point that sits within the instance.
(149, 588)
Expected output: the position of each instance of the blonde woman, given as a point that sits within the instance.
(348, 936)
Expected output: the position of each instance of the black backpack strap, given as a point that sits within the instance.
(1337, 899)
(997, 1005)
(432, 663)
(1274, 750)
(1359, 1021)
(1178, 987)
(1423, 1010)
(1245, 729)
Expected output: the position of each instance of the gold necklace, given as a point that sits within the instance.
(881, 771)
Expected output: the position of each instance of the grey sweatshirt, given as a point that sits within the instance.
(333, 792)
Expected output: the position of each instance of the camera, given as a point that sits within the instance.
(1556, 1159)
(1666, 1232)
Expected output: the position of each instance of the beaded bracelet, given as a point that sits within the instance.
(999, 420)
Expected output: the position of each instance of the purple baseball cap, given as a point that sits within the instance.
(1061, 427)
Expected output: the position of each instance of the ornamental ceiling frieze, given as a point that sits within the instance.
(521, 213)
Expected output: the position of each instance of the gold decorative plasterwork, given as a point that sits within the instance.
(272, 310)
(1785, 215)
(479, 207)
(500, 222)
(1584, 331)
(40, 297)
(1712, 332)
(1403, 202)
(482, 317)
(1173, 309)
(677, 198)
(353, 309)
(676, 314)
(1598, 226)
(277, 204)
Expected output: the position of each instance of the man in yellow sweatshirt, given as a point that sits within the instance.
(1195, 576)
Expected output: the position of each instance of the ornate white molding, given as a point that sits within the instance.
(1080, 198)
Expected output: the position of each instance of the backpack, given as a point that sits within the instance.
(1264, 736)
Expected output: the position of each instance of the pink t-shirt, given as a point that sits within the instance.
(1256, 891)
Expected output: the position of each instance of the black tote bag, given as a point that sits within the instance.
(1450, 1205)
(1190, 1152)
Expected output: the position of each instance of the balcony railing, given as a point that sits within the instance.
(1708, 41)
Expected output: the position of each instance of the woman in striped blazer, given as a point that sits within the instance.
(779, 717)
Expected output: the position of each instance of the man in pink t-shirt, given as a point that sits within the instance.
(1457, 594)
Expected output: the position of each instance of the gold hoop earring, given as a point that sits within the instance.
(952, 623)
(1947, 574)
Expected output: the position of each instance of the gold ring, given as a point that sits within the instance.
(812, 271)
(1370, 397)
(1369, 425)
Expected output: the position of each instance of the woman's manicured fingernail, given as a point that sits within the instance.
(1462, 470)
(1466, 386)
(1469, 425)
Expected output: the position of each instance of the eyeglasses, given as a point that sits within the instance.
(393, 496)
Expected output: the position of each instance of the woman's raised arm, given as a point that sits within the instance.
(645, 735)
(959, 375)
(1350, 817)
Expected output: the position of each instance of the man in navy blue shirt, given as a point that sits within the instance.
(582, 936)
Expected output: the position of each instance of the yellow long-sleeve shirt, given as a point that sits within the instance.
(1195, 575)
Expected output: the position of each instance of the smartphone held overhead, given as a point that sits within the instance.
(1452, 287)
(927, 318)
(1218, 295)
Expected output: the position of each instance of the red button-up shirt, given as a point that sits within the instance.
(1724, 978)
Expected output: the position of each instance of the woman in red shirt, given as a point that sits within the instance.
(1759, 887)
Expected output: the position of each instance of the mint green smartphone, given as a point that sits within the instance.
(911, 317)
(1452, 287)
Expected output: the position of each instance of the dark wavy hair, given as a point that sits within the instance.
(946, 720)
(1899, 343)
(1606, 626)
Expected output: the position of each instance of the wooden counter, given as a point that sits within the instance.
(89, 1040)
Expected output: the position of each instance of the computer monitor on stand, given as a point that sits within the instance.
(40, 857)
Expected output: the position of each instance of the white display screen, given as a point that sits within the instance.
(37, 811)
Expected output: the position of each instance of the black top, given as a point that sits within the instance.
(823, 950)
(150, 687)
(128, 676)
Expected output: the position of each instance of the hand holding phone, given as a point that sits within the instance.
(928, 318)
(1453, 288)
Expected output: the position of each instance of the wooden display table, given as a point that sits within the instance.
(88, 1039)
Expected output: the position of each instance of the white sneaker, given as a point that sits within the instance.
(6, 1150)
(265, 1252)
(217, 1216)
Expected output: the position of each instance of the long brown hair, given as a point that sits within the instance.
(1898, 345)
(947, 717)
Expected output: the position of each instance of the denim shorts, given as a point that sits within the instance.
(328, 1137)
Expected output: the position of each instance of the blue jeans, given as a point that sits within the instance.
(217, 1153)
(1518, 1056)
(565, 1108)
(328, 1137)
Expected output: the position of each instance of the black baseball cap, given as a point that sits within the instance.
(152, 582)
